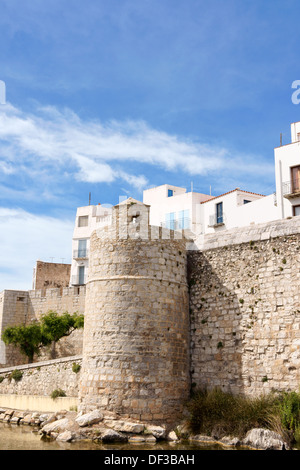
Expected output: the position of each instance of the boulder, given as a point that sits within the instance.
(264, 439)
(172, 436)
(110, 435)
(90, 418)
(125, 426)
(157, 431)
(58, 426)
(65, 436)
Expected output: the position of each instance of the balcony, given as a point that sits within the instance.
(177, 224)
(291, 189)
(80, 254)
(216, 221)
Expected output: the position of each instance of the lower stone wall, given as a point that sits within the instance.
(23, 307)
(245, 316)
(42, 378)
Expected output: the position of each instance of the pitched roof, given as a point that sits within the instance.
(236, 189)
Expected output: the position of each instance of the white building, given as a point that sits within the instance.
(88, 219)
(287, 172)
(174, 208)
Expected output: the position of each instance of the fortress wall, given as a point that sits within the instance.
(136, 335)
(41, 379)
(245, 312)
(23, 307)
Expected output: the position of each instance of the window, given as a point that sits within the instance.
(170, 220)
(83, 221)
(295, 177)
(298, 136)
(219, 213)
(170, 192)
(184, 219)
(246, 201)
(82, 248)
(81, 274)
(296, 210)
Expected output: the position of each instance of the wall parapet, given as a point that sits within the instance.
(255, 232)
(34, 365)
(42, 378)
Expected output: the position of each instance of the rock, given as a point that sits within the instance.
(15, 420)
(90, 418)
(110, 435)
(136, 439)
(230, 441)
(172, 436)
(201, 438)
(125, 426)
(65, 436)
(44, 418)
(58, 426)
(264, 439)
(26, 419)
(157, 431)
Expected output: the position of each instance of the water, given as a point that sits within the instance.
(22, 437)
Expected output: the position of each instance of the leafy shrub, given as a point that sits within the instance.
(16, 375)
(76, 367)
(218, 413)
(58, 393)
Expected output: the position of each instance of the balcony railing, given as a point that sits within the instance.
(177, 224)
(291, 188)
(216, 221)
(80, 254)
(78, 280)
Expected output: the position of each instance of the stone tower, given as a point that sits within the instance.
(136, 334)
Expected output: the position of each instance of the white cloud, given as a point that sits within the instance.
(94, 152)
(25, 238)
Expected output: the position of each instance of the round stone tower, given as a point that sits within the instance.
(136, 332)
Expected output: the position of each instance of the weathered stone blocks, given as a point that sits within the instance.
(136, 335)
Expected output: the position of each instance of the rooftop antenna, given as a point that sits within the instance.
(90, 199)
(191, 186)
(280, 139)
(210, 190)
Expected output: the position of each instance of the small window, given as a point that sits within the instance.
(83, 221)
(296, 210)
(170, 192)
(246, 201)
(298, 136)
(219, 213)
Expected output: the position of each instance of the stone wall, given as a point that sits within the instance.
(136, 335)
(245, 314)
(51, 275)
(42, 378)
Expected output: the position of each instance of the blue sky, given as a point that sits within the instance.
(115, 96)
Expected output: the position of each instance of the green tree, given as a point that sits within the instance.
(55, 326)
(51, 328)
(28, 338)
